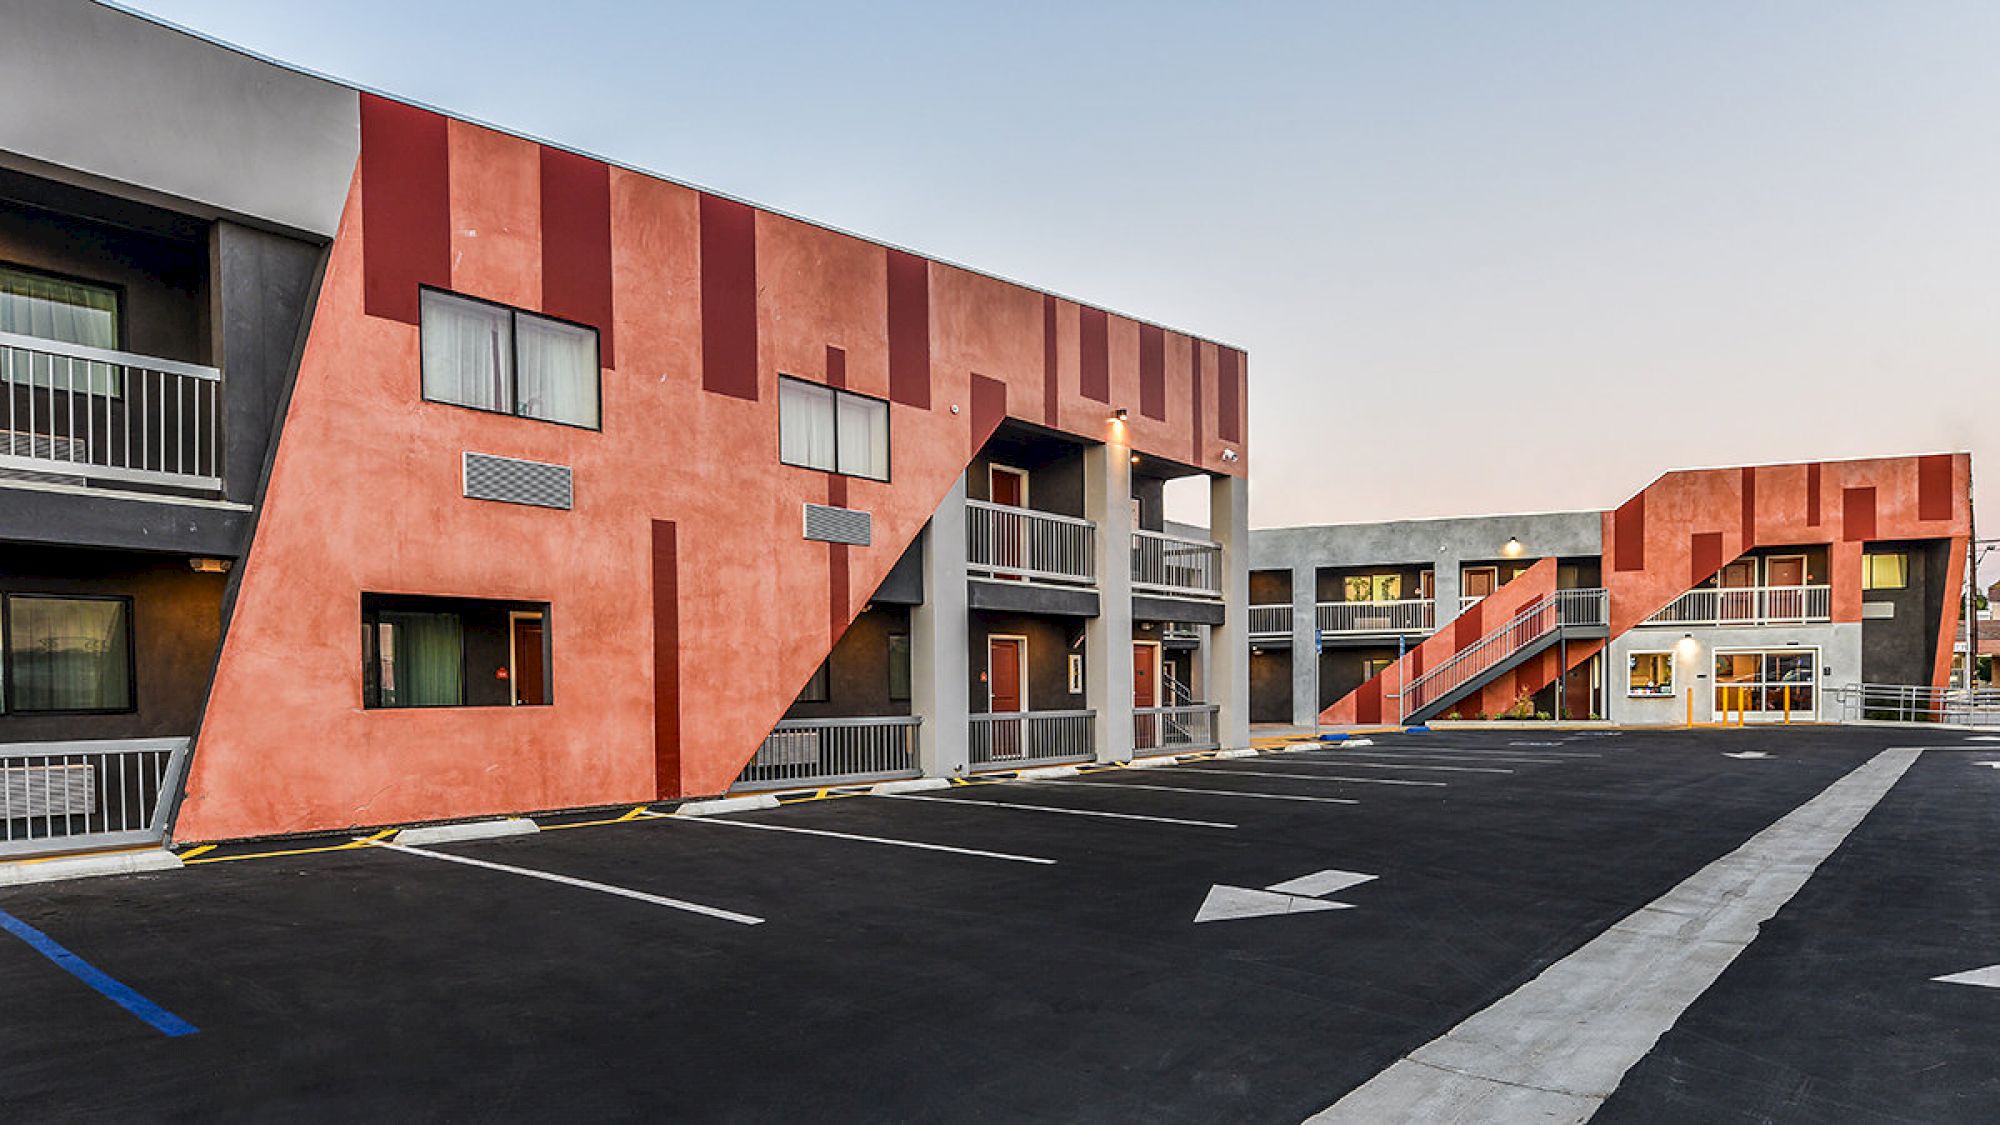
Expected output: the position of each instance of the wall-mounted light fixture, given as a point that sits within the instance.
(1135, 458)
(1688, 646)
(1512, 548)
(1119, 414)
(209, 566)
(1230, 456)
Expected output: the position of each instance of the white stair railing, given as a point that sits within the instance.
(1572, 608)
(1408, 615)
(93, 413)
(1748, 605)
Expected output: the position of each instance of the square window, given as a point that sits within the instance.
(1886, 571)
(832, 430)
(491, 357)
(453, 652)
(1649, 674)
(68, 654)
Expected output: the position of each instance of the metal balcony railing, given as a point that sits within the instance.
(1174, 730)
(97, 414)
(1748, 605)
(1410, 615)
(1546, 615)
(72, 796)
(1271, 620)
(827, 751)
(1170, 564)
(1031, 737)
(1026, 545)
(1919, 703)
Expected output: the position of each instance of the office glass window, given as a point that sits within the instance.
(491, 357)
(68, 654)
(832, 430)
(1886, 571)
(1649, 674)
(64, 311)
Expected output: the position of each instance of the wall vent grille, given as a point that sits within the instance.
(839, 525)
(513, 481)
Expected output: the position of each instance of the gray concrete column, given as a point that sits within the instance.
(1305, 646)
(1229, 679)
(1107, 638)
(939, 676)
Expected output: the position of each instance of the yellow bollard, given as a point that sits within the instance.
(1788, 705)
(1688, 694)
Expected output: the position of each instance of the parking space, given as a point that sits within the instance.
(1243, 939)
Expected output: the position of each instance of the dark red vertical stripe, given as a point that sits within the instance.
(666, 661)
(1416, 664)
(1368, 701)
(1094, 354)
(1628, 534)
(1465, 628)
(1934, 487)
(1152, 372)
(1749, 506)
(1812, 495)
(406, 206)
(1199, 437)
(989, 409)
(576, 243)
(728, 298)
(909, 330)
(837, 611)
(836, 366)
(1857, 514)
(1228, 400)
(1704, 555)
(1051, 383)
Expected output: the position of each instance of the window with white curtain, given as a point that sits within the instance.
(63, 311)
(491, 357)
(832, 430)
(68, 653)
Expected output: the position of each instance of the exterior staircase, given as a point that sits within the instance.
(1549, 620)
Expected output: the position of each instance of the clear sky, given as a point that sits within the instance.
(1485, 257)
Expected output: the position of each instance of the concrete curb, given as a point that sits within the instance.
(23, 872)
(1047, 771)
(727, 805)
(470, 830)
(910, 785)
(1237, 753)
(1152, 763)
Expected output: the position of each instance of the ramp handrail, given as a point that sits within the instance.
(1919, 703)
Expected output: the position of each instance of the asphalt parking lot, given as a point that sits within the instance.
(1031, 950)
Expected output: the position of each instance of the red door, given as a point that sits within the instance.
(1010, 531)
(529, 675)
(1003, 695)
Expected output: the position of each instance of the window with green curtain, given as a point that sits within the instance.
(69, 312)
(68, 654)
(427, 655)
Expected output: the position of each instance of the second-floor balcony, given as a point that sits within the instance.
(1176, 566)
(1390, 618)
(1024, 545)
(89, 414)
(1748, 605)
(1271, 620)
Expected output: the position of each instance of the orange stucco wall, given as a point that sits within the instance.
(365, 496)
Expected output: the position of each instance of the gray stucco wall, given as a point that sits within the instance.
(173, 113)
(1694, 668)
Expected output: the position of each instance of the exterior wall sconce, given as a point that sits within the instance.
(1119, 414)
(209, 566)
(1512, 548)
(1230, 456)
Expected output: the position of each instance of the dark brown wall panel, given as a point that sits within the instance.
(909, 330)
(576, 243)
(1934, 487)
(1094, 378)
(1857, 514)
(1749, 506)
(1197, 415)
(1704, 555)
(666, 660)
(1812, 494)
(1051, 383)
(1467, 628)
(1628, 534)
(1152, 372)
(728, 298)
(1229, 401)
(406, 186)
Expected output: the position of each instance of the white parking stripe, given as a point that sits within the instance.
(1399, 755)
(1205, 792)
(1053, 809)
(550, 877)
(918, 844)
(1313, 776)
(1555, 1048)
(1346, 760)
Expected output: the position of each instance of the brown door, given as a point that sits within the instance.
(1003, 696)
(1787, 570)
(1739, 574)
(1007, 487)
(1480, 581)
(529, 674)
(1145, 674)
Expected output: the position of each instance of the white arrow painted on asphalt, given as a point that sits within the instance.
(1747, 754)
(1989, 765)
(1988, 977)
(1984, 738)
(1302, 895)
